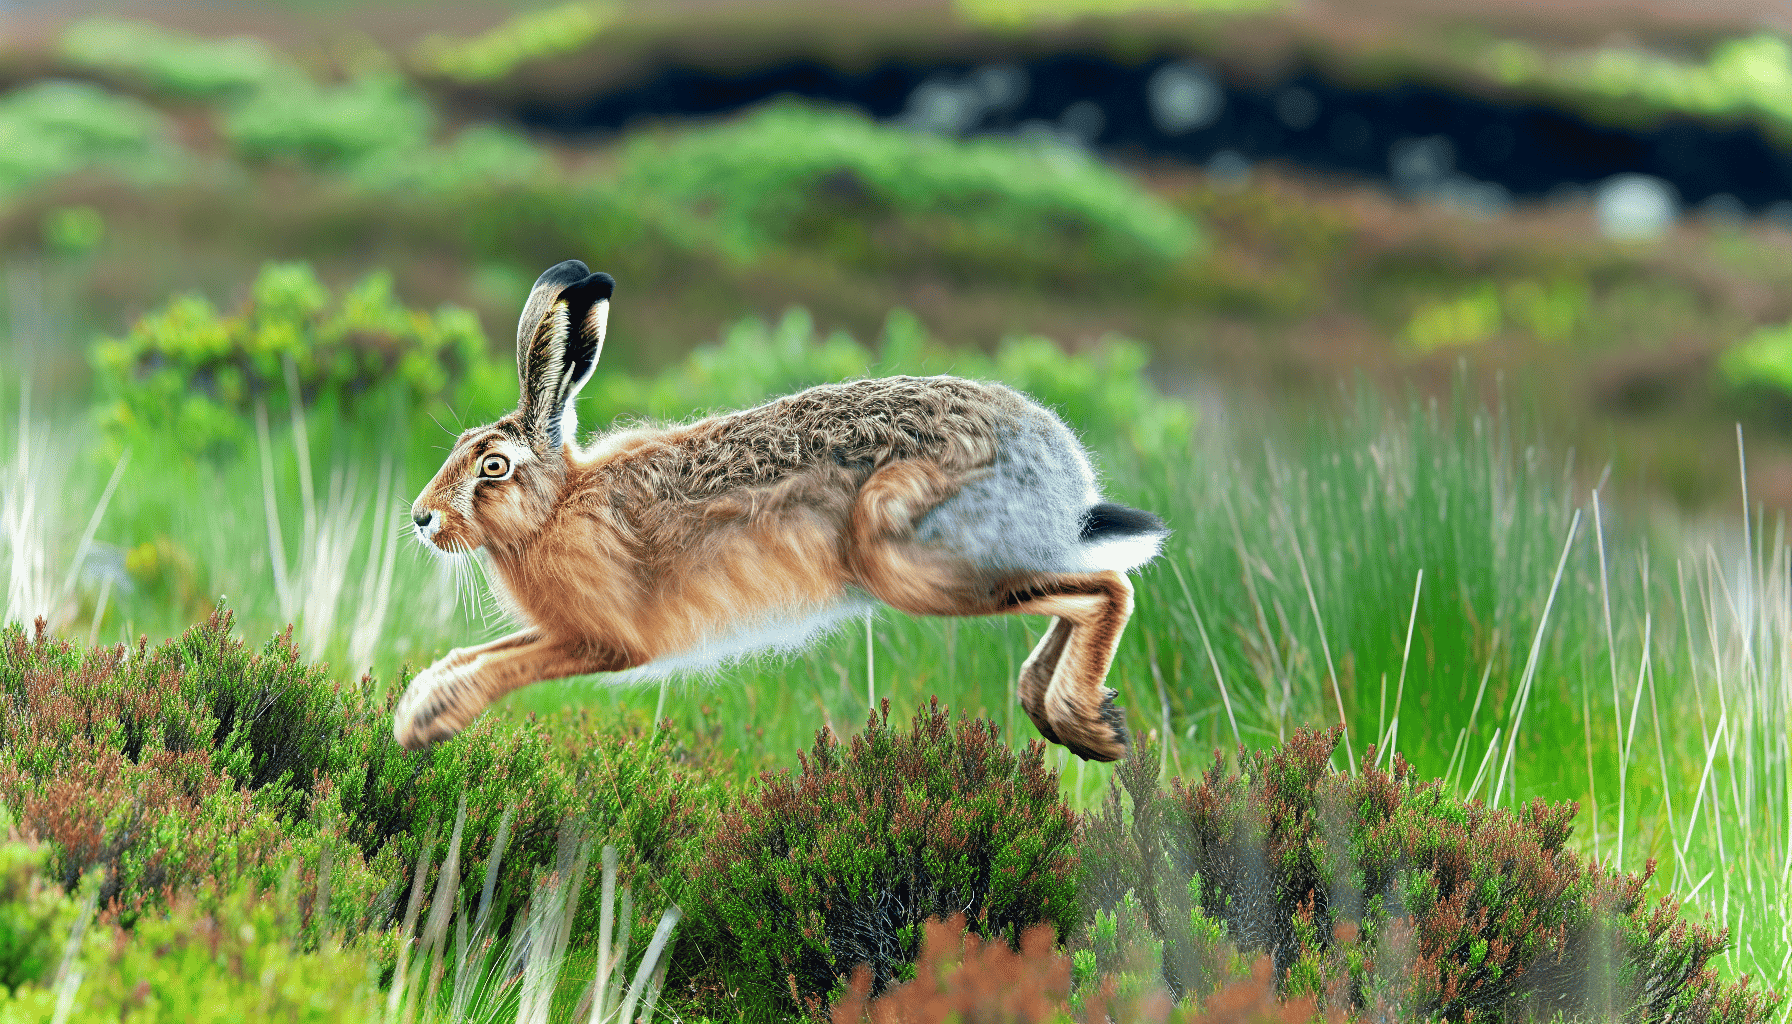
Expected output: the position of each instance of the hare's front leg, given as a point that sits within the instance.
(445, 698)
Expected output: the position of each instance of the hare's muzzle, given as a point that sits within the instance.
(428, 522)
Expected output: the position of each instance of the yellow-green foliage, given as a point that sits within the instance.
(524, 37)
(1746, 77)
(35, 914)
(55, 128)
(330, 126)
(374, 125)
(230, 964)
(1015, 14)
(187, 370)
(1762, 360)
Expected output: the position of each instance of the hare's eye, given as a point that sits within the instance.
(494, 465)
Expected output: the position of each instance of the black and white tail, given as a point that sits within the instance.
(1117, 537)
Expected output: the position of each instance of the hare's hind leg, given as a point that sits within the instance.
(1062, 683)
(444, 698)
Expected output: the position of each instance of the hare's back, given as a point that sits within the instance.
(857, 425)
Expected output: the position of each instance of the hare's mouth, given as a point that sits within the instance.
(429, 527)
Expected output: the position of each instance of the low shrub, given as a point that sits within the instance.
(202, 765)
(1380, 890)
(959, 977)
(52, 129)
(333, 127)
(170, 769)
(36, 914)
(173, 63)
(360, 358)
(521, 39)
(879, 197)
(229, 961)
(842, 864)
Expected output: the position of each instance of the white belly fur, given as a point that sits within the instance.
(782, 633)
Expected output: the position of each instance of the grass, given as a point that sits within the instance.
(1423, 573)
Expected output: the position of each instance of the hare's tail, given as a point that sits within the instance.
(1117, 537)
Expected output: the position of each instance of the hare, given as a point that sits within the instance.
(656, 549)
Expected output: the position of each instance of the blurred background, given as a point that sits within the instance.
(1453, 337)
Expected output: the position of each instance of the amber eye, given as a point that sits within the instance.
(494, 465)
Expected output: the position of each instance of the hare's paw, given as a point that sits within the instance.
(1093, 734)
(435, 706)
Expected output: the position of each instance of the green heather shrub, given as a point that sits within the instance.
(201, 765)
(843, 864)
(330, 127)
(623, 783)
(361, 358)
(878, 197)
(36, 914)
(173, 63)
(229, 961)
(173, 768)
(50, 129)
(1379, 889)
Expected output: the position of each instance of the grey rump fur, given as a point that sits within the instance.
(1028, 510)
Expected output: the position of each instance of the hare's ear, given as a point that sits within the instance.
(558, 340)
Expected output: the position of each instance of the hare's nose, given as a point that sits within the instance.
(423, 517)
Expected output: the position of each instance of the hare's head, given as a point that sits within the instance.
(498, 484)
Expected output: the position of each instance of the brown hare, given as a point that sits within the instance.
(665, 548)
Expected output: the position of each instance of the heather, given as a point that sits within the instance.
(1459, 692)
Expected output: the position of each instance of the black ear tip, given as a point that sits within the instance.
(563, 274)
(600, 286)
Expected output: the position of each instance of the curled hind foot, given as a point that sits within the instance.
(1097, 736)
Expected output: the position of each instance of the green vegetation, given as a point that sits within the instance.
(842, 864)
(790, 173)
(1426, 579)
(522, 38)
(1018, 14)
(201, 767)
(1384, 893)
(361, 359)
(54, 129)
(174, 63)
(1743, 78)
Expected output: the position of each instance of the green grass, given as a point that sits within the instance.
(1425, 569)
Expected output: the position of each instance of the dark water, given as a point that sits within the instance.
(1417, 138)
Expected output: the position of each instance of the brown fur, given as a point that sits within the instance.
(654, 540)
